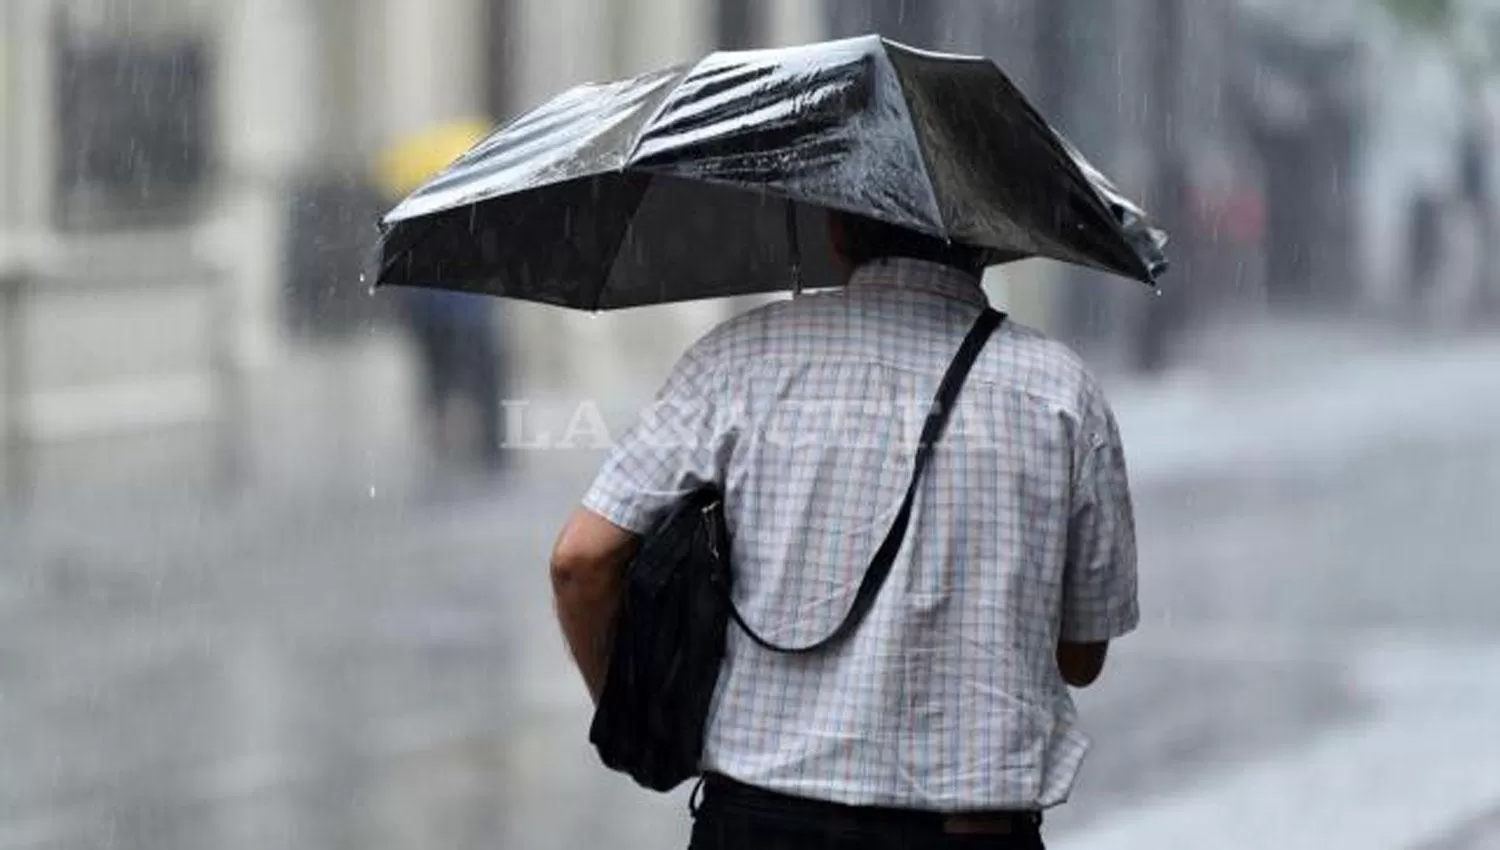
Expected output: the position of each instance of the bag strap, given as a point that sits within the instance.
(885, 556)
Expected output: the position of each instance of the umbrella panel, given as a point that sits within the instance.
(690, 239)
(1031, 195)
(555, 243)
(616, 240)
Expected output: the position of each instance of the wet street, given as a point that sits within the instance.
(1319, 666)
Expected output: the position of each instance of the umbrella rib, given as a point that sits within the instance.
(927, 179)
(635, 147)
(1058, 146)
(640, 136)
(609, 272)
(916, 141)
(388, 263)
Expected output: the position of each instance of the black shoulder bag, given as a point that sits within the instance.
(674, 616)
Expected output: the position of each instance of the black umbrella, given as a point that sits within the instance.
(715, 180)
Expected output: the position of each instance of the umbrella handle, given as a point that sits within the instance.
(794, 247)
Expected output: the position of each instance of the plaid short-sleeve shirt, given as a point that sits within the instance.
(806, 413)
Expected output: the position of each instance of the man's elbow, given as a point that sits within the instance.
(1081, 663)
(589, 556)
(565, 569)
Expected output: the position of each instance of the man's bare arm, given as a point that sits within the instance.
(588, 578)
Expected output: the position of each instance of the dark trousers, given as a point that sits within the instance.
(737, 817)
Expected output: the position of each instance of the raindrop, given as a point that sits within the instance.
(370, 291)
(372, 492)
(361, 277)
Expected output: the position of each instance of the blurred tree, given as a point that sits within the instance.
(1469, 33)
(1426, 15)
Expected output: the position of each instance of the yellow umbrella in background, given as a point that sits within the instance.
(403, 167)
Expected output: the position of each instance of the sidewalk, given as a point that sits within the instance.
(1280, 399)
(1416, 773)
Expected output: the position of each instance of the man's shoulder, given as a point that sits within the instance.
(1036, 362)
(1048, 365)
(724, 343)
(755, 323)
(1039, 344)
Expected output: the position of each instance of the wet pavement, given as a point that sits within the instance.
(1320, 659)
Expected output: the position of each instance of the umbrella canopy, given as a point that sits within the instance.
(714, 179)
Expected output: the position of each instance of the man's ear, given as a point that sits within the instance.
(837, 234)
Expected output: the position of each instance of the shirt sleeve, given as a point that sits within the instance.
(1099, 585)
(676, 445)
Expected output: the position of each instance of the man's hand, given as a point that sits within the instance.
(588, 570)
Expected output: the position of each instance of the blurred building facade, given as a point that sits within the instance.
(186, 199)
(115, 315)
(201, 168)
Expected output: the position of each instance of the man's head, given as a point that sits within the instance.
(859, 240)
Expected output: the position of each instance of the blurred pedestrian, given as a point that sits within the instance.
(1424, 245)
(462, 364)
(945, 720)
(460, 372)
(1475, 187)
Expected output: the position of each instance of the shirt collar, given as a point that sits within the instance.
(921, 276)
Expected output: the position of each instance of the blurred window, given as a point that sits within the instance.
(134, 106)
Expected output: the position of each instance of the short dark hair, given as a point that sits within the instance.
(862, 240)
